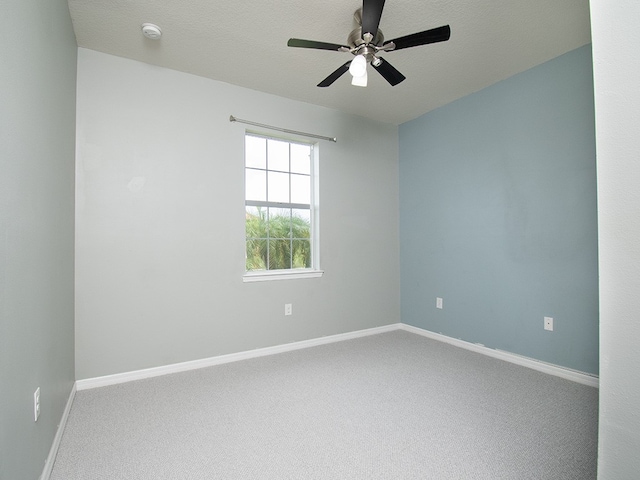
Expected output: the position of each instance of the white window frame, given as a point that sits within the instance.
(293, 273)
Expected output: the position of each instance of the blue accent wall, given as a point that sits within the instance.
(498, 215)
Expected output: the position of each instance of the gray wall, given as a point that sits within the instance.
(617, 100)
(498, 215)
(37, 130)
(159, 266)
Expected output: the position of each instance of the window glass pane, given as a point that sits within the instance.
(255, 184)
(256, 254)
(300, 223)
(278, 155)
(301, 254)
(278, 187)
(255, 152)
(301, 158)
(278, 175)
(279, 253)
(279, 222)
(256, 222)
(301, 189)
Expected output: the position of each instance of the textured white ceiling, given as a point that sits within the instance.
(245, 43)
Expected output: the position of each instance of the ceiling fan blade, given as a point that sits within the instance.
(440, 34)
(389, 73)
(371, 13)
(297, 42)
(335, 75)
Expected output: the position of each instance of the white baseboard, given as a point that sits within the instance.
(114, 379)
(53, 451)
(573, 375)
(551, 369)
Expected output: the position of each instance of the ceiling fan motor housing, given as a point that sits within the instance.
(355, 38)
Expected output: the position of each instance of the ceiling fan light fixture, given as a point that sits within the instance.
(366, 41)
(358, 67)
(360, 81)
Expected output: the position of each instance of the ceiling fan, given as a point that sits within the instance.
(367, 41)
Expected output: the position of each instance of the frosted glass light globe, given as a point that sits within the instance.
(358, 66)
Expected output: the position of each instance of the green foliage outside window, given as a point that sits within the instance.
(277, 241)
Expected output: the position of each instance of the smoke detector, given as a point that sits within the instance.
(151, 31)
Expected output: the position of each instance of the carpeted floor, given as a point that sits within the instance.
(389, 406)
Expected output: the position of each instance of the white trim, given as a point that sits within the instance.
(263, 276)
(117, 378)
(53, 451)
(549, 368)
(568, 374)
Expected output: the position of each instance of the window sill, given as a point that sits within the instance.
(264, 276)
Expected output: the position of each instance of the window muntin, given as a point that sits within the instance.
(279, 213)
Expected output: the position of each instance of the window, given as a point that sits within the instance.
(280, 214)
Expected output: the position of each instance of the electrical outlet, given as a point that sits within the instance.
(36, 404)
(439, 303)
(288, 309)
(548, 323)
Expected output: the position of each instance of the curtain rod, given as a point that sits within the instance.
(285, 130)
